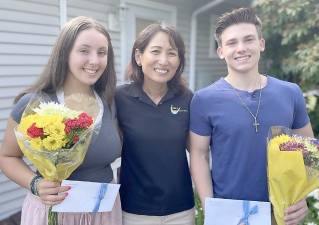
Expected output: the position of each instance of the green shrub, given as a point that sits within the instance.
(314, 113)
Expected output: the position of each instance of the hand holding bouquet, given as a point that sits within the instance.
(293, 169)
(54, 138)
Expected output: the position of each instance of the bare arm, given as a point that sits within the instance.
(305, 131)
(13, 166)
(199, 163)
(11, 162)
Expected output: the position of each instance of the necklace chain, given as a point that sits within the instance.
(255, 123)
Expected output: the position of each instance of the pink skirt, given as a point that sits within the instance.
(34, 212)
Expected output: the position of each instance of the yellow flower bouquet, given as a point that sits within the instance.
(54, 138)
(293, 168)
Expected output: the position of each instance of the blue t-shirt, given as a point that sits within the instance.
(239, 169)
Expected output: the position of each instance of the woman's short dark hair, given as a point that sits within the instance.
(236, 16)
(57, 68)
(134, 72)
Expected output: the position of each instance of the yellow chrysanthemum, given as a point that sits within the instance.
(55, 129)
(61, 138)
(47, 120)
(36, 143)
(52, 143)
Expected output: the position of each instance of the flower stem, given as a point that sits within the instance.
(52, 217)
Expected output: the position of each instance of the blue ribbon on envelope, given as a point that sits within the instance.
(247, 212)
(102, 190)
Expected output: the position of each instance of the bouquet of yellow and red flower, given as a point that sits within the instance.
(293, 168)
(54, 138)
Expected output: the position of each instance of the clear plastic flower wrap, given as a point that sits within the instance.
(293, 168)
(54, 138)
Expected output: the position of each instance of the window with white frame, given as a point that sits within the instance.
(212, 42)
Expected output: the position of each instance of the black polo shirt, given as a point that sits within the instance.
(155, 178)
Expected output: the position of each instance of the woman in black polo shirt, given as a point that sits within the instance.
(153, 113)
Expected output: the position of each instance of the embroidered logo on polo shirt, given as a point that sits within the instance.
(177, 109)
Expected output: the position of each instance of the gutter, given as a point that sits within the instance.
(123, 35)
(193, 40)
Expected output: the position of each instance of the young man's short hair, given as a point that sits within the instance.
(236, 16)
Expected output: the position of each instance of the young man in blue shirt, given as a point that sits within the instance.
(233, 116)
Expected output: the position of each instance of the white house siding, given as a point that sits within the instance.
(207, 69)
(99, 10)
(27, 32)
(183, 26)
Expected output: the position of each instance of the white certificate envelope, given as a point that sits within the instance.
(234, 212)
(88, 197)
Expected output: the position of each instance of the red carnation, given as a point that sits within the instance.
(70, 124)
(34, 131)
(67, 129)
(85, 120)
(75, 139)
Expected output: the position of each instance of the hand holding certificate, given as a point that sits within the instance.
(88, 197)
(236, 212)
